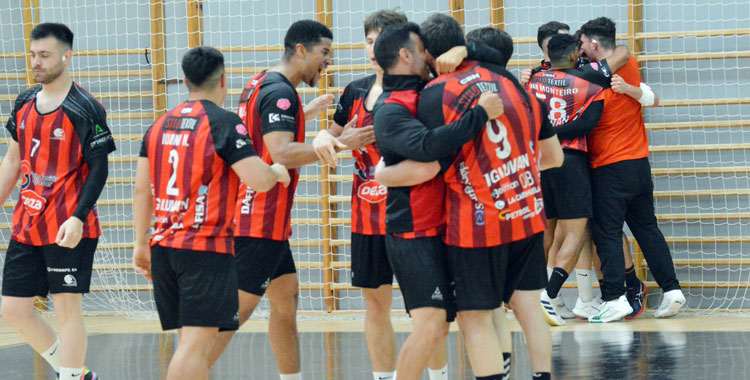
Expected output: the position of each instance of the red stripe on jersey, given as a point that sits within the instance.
(194, 190)
(494, 196)
(53, 172)
(567, 97)
(265, 215)
(368, 196)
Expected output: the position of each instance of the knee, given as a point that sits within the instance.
(15, 314)
(378, 307)
(435, 331)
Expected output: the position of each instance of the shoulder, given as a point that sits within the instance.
(277, 89)
(362, 84)
(26, 96)
(83, 104)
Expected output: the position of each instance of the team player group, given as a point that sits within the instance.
(461, 190)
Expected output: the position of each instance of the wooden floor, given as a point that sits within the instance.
(333, 349)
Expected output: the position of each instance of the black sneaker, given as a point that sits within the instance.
(636, 297)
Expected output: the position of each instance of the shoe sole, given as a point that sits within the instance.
(643, 304)
(547, 317)
(671, 312)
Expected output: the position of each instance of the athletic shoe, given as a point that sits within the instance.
(612, 311)
(671, 304)
(561, 309)
(636, 296)
(586, 310)
(550, 312)
(87, 374)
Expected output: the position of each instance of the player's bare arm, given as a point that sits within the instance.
(550, 153)
(406, 173)
(643, 93)
(260, 176)
(337, 138)
(318, 105)
(143, 204)
(285, 151)
(10, 169)
(620, 56)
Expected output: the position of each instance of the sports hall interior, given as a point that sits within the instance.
(695, 54)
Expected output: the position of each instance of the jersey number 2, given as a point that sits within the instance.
(174, 159)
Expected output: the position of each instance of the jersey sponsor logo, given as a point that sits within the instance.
(471, 193)
(274, 118)
(32, 202)
(23, 125)
(186, 110)
(437, 295)
(471, 93)
(240, 143)
(29, 177)
(242, 111)
(511, 167)
(58, 134)
(98, 129)
(175, 139)
(241, 129)
(181, 123)
(524, 195)
(525, 212)
(479, 217)
(247, 202)
(470, 78)
(283, 104)
(372, 192)
(500, 204)
(200, 206)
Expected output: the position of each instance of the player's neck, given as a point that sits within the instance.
(58, 87)
(378, 78)
(288, 69)
(213, 97)
(563, 66)
(604, 54)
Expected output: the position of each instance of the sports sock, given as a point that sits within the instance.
(291, 376)
(631, 279)
(498, 376)
(559, 276)
(438, 374)
(541, 376)
(52, 355)
(384, 375)
(71, 373)
(585, 286)
(549, 272)
(506, 365)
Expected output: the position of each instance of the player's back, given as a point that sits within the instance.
(194, 188)
(268, 102)
(493, 194)
(567, 93)
(621, 133)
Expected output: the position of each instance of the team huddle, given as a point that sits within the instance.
(467, 183)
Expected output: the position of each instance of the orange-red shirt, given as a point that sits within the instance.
(54, 148)
(621, 132)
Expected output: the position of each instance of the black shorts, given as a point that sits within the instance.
(479, 276)
(260, 261)
(370, 266)
(422, 273)
(194, 288)
(527, 267)
(32, 271)
(567, 189)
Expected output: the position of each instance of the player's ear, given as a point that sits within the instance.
(67, 55)
(405, 55)
(300, 50)
(223, 80)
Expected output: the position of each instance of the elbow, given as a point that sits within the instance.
(428, 171)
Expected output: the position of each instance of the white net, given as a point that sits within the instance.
(695, 55)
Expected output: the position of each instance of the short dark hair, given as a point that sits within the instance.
(50, 29)
(392, 39)
(305, 32)
(440, 33)
(494, 38)
(548, 30)
(603, 30)
(381, 19)
(560, 46)
(202, 66)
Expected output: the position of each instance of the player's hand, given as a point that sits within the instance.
(525, 76)
(325, 146)
(448, 61)
(70, 232)
(318, 105)
(142, 260)
(492, 104)
(618, 84)
(357, 138)
(282, 174)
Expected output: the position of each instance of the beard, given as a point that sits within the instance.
(48, 75)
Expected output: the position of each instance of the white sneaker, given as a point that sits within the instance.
(561, 309)
(612, 310)
(550, 312)
(586, 310)
(671, 304)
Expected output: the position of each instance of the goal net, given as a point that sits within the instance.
(695, 54)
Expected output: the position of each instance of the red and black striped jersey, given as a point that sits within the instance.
(368, 196)
(190, 151)
(269, 103)
(417, 211)
(54, 148)
(494, 195)
(568, 93)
